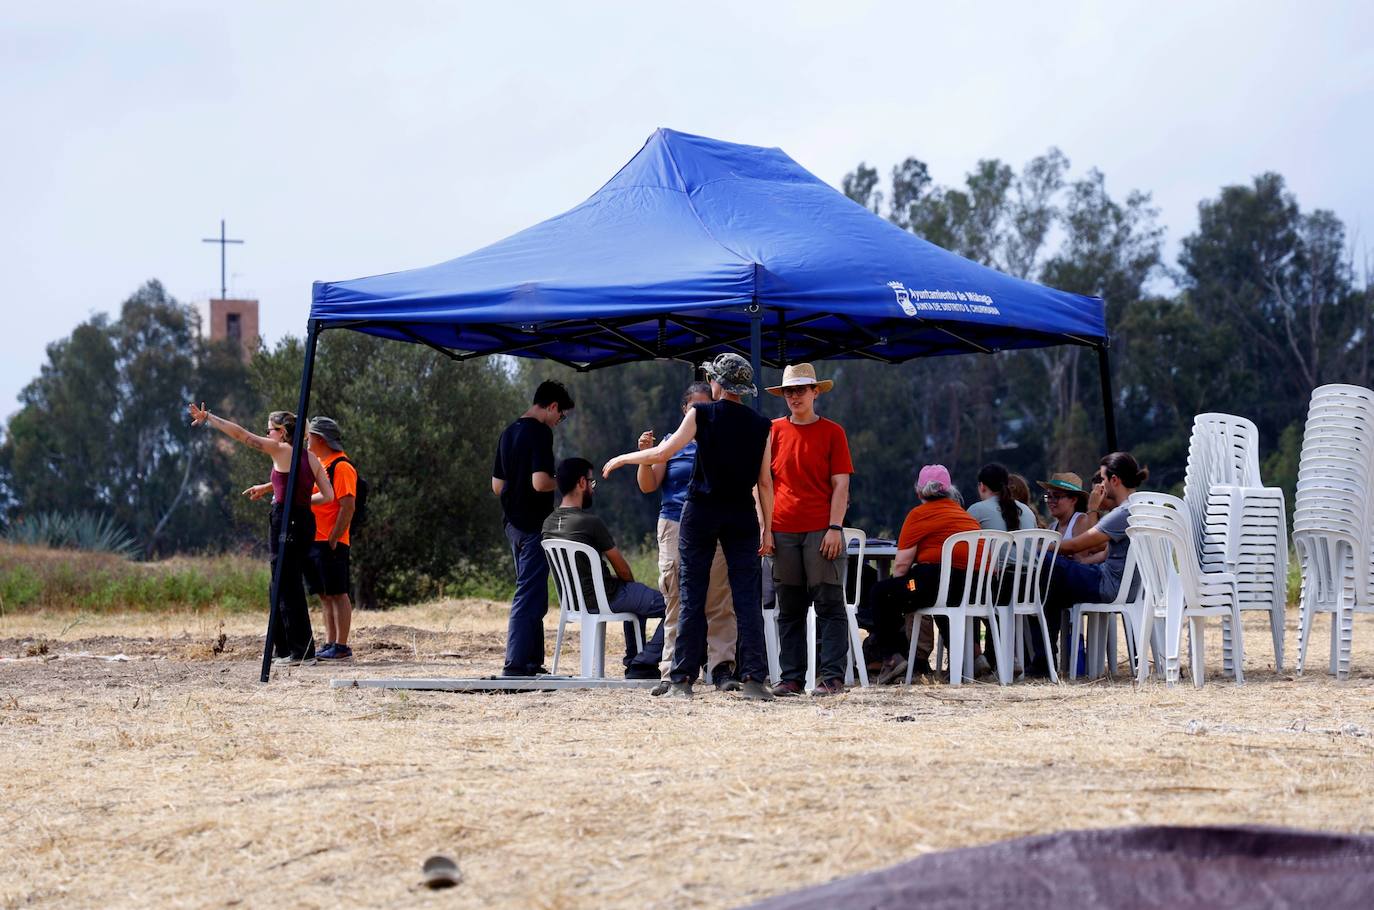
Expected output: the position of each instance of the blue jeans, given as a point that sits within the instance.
(736, 530)
(646, 603)
(1070, 583)
(525, 632)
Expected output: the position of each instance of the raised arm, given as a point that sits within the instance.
(660, 453)
(201, 416)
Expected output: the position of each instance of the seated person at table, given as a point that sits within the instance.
(916, 574)
(574, 520)
(1118, 476)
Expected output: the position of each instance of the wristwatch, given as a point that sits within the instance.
(835, 528)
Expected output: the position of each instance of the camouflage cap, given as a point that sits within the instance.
(733, 373)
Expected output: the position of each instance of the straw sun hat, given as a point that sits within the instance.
(801, 374)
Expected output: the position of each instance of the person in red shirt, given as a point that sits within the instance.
(811, 468)
(916, 573)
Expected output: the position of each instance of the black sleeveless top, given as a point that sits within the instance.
(731, 438)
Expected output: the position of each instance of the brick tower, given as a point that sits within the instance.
(236, 321)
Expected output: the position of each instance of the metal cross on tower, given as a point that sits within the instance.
(223, 242)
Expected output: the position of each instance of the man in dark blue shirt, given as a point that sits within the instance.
(523, 476)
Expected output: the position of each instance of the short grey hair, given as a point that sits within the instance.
(935, 490)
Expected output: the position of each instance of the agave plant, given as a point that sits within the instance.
(83, 531)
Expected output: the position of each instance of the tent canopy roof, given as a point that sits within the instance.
(691, 239)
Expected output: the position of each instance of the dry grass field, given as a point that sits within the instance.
(172, 778)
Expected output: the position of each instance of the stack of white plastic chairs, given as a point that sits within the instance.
(1333, 529)
(1239, 523)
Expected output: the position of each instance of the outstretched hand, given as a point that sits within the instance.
(258, 491)
(611, 466)
(198, 414)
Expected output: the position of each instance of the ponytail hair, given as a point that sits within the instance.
(1124, 466)
(994, 476)
(287, 421)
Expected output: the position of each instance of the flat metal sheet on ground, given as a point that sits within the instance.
(491, 683)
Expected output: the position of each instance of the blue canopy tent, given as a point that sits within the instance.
(696, 246)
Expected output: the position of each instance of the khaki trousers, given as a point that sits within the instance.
(720, 610)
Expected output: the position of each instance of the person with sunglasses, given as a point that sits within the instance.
(523, 476)
(1118, 476)
(1070, 513)
(292, 640)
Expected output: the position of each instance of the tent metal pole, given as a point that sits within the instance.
(297, 440)
(756, 350)
(1104, 371)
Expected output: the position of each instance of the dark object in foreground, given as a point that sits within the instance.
(441, 872)
(1121, 867)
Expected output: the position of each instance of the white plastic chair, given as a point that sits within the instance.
(573, 605)
(1333, 530)
(854, 541)
(1239, 525)
(986, 554)
(1163, 543)
(1128, 604)
(1034, 550)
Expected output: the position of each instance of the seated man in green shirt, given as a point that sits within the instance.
(574, 520)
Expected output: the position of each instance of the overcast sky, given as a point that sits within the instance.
(347, 139)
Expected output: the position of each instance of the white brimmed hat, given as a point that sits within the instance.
(802, 374)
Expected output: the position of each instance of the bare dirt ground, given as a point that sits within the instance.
(174, 778)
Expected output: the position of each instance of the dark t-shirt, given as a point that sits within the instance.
(570, 523)
(525, 447)
(730, 441)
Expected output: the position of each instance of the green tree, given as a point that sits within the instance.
(422, 430)
(103, 426)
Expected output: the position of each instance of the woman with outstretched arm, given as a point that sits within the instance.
(291, 637)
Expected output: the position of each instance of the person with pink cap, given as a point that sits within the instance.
(916, 573)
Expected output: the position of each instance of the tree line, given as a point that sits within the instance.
(1263, 303)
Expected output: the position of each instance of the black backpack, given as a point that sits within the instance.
(359, 496)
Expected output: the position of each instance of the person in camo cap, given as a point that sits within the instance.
(733, 459)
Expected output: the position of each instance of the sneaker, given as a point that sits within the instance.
(295, 660)
(324, 652)
(681, 690)
(788, 688)
(893, 671)
(661, 689)
(642, 671)
(723, 677)
(829, 687)
(981, 667)
(755, 691)
(336, 652)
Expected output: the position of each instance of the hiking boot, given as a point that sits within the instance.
(681, 690)
(754, 691)
(829, 687)
(981, 667)
(642, 671)
(723, 677)
(335, 652)
(788, 688)
(921, 668)
(893, 671)
(661, 689)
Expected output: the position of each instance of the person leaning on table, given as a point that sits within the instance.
(1118, 476)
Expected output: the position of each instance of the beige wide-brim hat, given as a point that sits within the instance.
(801, 374)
